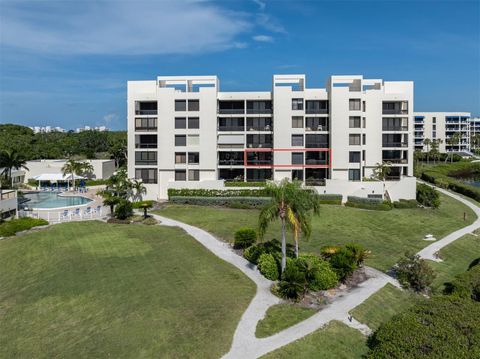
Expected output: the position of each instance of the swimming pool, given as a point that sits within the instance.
(49, 200)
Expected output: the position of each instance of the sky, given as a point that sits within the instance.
(66, 63)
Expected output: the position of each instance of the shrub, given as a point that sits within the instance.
(427, 196)
(465, 285)
(235, 202)
(118, 221)
(318, 273)
(376, 204)
(292, 285)
(136, 219)
(343, 263)
(405, 203)
(244, 184)
(268, 266)
(327, 251)
(149, 221)
(252, 253)
(140, 204)
(123, 210)
(358, 252)
(244, 237)
(330, 198)
(414, 273)
(95, 182)
(185, 192)
(442, 327)
(11, 227)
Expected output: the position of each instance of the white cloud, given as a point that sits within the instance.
(269, 23)
(111, 117)
(120, 27)
(261, 4)
(263, 38)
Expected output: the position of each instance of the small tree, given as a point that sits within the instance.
(453, 141)
(414, 273)
(382, 170)
(139, 188)
(427, 142)
(427, 196)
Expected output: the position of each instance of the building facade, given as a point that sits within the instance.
(443, 126)
(183, 132)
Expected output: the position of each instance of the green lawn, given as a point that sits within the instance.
(386, 234)
(456, 258)
(96, 290)
(280, 317)
(336, 340)
(383, 305)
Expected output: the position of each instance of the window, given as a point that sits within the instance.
(297, 175)
(180, 140)
(316, 106)
(193, 158)
(297, 158)
(297, 122)
(194, 175)
(354, 122)
(180, 122)
(297, 140)
(316, 124)
(395, 124)
(180, 175)
(260, 140)
(364, 106)
(180, 105)
(146, 107)
(297, 103)
(193, 105)
(145, 141)
(193, 140)
(316, 141)
(354, 104)
(434, 134)
(193, 122)
(145, 124)
(434, 119)
(145, 158)
(364, 139)
(354, 175)
(147, 175)
(364, 122)
(354, 157)
(259, 124)
(354, 140)
(180, 157)
(259, 106)
(364, 155)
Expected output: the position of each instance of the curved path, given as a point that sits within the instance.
(246, 345)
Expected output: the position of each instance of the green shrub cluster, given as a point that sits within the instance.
(466, 285)
(185, 192)
(427, 196)
(95, 182)
(244, 238)
(267, 265)
(123, 209)
(377, 204)
(140, 204)
(244, 184)
(414, 273)
(440, 157)
(330, 198)
(149, 221)
(405, 203)
(11, 227)
(232, 202)
(274, 247)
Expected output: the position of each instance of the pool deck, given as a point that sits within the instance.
(56, 215)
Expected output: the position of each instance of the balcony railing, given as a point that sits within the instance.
(145, 112)
(260, 145)
(229, 111)
(394, 112)
(395, 128)
(312, 161)
(395, 160)
(395, 144)
(231, 128)
(260, 128)
(393, 178)
(145, 145)
(319, 111)
(260, 162)
(316, 145)
(318, 128)
(230, 162)
(146, 162)
(253, 111)
(146, 129)
(315, 182)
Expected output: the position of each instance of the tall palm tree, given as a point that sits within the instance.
(292, 205)
(139, 189)
(72, 168)
(12, 160)
(382, 170)
(427, 142)
(87, 169)
(453, 141)
(119, 184)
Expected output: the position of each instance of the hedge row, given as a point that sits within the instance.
(244, 184)
(330, 198)
(11, 227)
(232, 202)
(451, 183)
(185, 192)
(377, 204)
(405, 203)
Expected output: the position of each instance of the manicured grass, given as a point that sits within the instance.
(97, 290)
(457, 256)
(11, 227)
(386, 234)
(382, 306)
(280, 317)
(336, 340)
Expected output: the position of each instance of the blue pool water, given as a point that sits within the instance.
(53, 200)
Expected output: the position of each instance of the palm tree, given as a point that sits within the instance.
(119, 184)
(293, 205)
(72, 168)
(427, 142)
(139, 189)
(434, 151)
(87, 169)
(382, 170)
(12, 160)
(453, 141)
(110, 200)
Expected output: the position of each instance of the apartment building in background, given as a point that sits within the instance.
(183, 132)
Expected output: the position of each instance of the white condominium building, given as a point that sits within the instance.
(183, 132)
(442, 126)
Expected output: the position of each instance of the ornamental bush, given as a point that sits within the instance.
(123, 210)
(149, 221)
(292, 284)
(252, 253)
(186, 192)
(267, 265)
(244, 238)
(318, 273)
(244, 184)
(465, 285)
(358, 252)
(414, 273)
(140, 204)
(233, 202)
(427, 196)
(343, 263)
(330, 199)
(376, 204)
(405, 203)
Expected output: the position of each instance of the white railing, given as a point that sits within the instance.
(66, 215)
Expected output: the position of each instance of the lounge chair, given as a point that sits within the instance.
(88, 211)
(98, 210)
(64, 215)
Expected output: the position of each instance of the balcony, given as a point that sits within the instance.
(146, 129)
(145, 107)
(316, 107)
(260, 145)
(230, 128)
(315, 182)
(146, 162)
(395, 128)
(396, 160)
(259, 107)
(231, 107)
(395, 144)
(230, 162)
(145, 112)
(395, 108)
